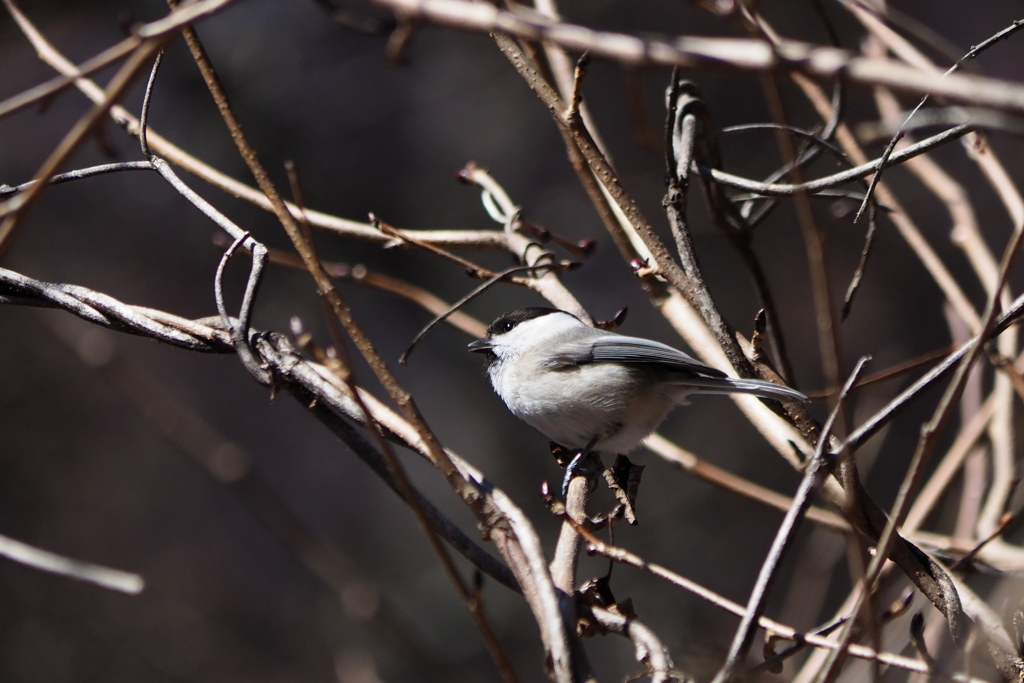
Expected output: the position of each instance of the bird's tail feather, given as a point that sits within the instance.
(731, 385)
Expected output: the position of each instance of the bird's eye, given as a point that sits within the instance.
(507, 326)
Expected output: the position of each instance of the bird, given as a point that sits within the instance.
(592, 390)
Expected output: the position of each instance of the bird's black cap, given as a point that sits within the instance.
(508, 322)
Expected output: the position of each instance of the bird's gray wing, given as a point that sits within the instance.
(617, 348)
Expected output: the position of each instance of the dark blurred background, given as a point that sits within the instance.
(89, 469)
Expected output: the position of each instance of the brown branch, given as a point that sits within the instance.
(717, 54)
(14, 209)
(325, 288)
(624, 556)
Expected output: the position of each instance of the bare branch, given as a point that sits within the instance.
(43, 560)
(735, 54)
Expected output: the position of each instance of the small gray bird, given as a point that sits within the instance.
(588, 389)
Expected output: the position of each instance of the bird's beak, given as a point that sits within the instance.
(480, 345)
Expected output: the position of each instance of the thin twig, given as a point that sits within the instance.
(970, 54)
(79, 174)
(15, 208)
(477, 291)
(680, 154)
(546, 280)
(727, 481)
(898, 216)
(44, 560)
(855, 173)
(43, 91)
(819, 467)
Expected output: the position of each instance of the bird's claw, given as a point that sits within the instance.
(579, 467)
(571, 470)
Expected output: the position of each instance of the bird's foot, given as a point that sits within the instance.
(581, 465)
